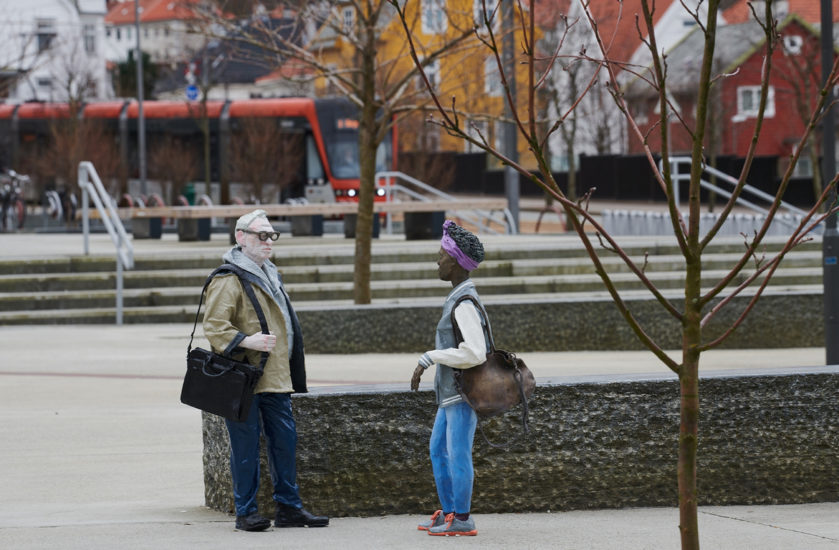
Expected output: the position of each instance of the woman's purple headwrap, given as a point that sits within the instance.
(462, 245)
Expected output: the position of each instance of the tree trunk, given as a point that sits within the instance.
(688, 434)
(367, 165)
(689, 399)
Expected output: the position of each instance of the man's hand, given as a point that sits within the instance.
(415, 379)
(259, 342)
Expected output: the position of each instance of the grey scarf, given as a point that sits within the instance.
(267, 273)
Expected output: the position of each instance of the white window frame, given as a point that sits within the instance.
(348, 19)
(432, 72)
(434, 17)
(793, 44)
(475, 129)
(478, 13)
(803, 168)
(89, 34)
(493, 86)
(46, 33)
(780, 8)
(752, 94)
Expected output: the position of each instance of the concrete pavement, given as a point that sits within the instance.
(100, 453)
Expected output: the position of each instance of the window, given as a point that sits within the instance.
(780, 8)
(119, 35)
(433, 16)
(348, 19)
(498, 130)
(492, 78)
(45, 83)
(803, 168)
(46, 33)
(478, 13)
(431, 138)
(314, 168)
(476, 129)
(748, 102)
(90, 39)
(793, 44)
(432, 72)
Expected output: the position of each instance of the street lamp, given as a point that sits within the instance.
(830, 240)
(141, 121)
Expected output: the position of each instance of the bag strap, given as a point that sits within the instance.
(516, 372)
(263, 324)
(481, 311)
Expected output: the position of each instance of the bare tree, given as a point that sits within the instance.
(703, 298)
(261, 153)
(173, 161)
(799, 68)
(378, 82)
(590, 121)
(20, 54)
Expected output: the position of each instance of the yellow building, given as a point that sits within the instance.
(466, 72)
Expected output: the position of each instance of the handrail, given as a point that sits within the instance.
(391, 190)
(111, 221)
(675, 162)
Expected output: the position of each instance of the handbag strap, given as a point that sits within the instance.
(516, 372)
(480, 307)
(263, 324)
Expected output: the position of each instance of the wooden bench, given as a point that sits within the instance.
(311, 209)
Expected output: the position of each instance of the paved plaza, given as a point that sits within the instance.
(98, 452)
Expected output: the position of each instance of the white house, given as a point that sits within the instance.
(53, 50)
(164, 30)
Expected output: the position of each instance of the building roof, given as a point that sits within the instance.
(808, 10)
(735, 43)
(151, 11)
(233, 61)
(616, 23)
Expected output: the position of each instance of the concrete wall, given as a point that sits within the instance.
(555, 325)
(595, 442)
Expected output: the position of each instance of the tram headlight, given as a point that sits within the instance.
(352, 193)
(380, 192)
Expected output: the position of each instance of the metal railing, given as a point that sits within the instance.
(757, 194)
(415, 190)
(92, 187)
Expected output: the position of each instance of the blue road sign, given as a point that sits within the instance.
(192, 92)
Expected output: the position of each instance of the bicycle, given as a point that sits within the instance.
(13, 212)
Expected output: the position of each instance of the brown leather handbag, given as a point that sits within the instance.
(498, 384)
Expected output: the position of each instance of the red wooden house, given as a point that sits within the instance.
(739, 54)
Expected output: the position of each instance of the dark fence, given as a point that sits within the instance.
(623, 177)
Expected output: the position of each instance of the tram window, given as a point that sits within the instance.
(314, 168)
(383, 156)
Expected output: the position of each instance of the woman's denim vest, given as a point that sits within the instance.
(444, 387)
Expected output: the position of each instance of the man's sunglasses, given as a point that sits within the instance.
(263, 235)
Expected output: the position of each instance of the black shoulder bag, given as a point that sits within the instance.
(216, 383)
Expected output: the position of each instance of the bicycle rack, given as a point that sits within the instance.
(90, 184)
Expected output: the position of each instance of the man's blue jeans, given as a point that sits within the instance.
(451, 456)
(270, 412)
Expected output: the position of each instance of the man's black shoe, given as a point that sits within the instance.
(288, 516)
(252, 522)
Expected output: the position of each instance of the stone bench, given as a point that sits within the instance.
(768, 437)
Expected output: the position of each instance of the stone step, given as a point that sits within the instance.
(389, 253)
(166, 286)
(388, 289)
(186, 314)
(406, 271)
